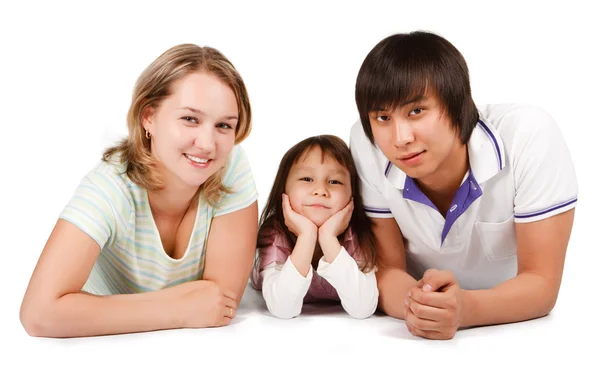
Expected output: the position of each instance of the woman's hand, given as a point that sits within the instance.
(203, 304)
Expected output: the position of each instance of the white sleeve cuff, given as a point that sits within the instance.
(357, 290)
(284, 289)
(340, 264)
(294, 281)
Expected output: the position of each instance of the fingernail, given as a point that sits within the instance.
(406, 301)
(409, 293)
(427, 288)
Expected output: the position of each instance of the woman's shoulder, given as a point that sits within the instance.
(238, 178)
(109, 177)
(102, 204)
(237, 163)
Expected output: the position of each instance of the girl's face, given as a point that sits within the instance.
(318, 186)
(193, 130)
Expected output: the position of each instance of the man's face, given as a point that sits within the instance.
(416, 137)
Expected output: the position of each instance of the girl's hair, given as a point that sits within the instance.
(154, 85)
(336, 148)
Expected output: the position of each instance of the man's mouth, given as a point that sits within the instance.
(410, 156)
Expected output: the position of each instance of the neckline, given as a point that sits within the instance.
(148, 212)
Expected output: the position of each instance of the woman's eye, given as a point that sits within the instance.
(224, 126)
(190, 119)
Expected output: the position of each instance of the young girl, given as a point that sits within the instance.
(315, 241)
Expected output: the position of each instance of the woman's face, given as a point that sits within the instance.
(193, 130)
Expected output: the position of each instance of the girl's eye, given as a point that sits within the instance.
(224, 126)
(307, 179)
(383, 118)
(335, 182)
(415, 111)
(190, 119)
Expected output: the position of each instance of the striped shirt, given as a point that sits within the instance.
(115, 213)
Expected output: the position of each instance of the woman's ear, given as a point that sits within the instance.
(148, 115)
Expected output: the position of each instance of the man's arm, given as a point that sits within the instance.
(393, 281)
(545, 184)
(438, 306)
(541, 250)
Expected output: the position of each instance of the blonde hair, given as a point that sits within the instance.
(153, 86)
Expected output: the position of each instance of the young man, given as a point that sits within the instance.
(473, 206)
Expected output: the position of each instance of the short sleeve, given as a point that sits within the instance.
(364, 155)
(239, 178)
(545, 179)
(90, 209)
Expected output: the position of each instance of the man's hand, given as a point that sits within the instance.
(434, 307)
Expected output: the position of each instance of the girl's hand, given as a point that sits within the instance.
(337, 223)
(297, 223)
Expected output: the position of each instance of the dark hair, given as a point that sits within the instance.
(404, 67)
(336, 148)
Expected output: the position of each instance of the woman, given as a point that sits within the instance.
(143, 243)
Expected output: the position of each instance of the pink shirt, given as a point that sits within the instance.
(274, 248)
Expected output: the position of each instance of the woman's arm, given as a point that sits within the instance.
(230, 250)
(55, 306)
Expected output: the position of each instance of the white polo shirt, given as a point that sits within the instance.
(520, 171)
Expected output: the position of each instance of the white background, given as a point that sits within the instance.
(66, 76)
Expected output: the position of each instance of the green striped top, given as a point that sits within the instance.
(115, 213)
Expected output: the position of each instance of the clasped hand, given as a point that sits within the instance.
(433, 308)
